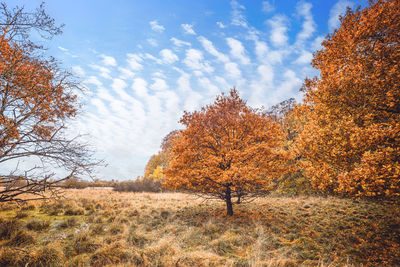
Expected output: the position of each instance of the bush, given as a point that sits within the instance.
(75, 183)
(37, 225)
(21, 214)
(140, 185)
(21, 238)
(8, 228)
(74, 211)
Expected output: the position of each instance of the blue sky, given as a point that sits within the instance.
(145, 62)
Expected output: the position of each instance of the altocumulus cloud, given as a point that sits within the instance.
(137, 98)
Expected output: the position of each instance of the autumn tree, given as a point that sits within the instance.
(293, 182)
(158, 162)
(227, 150)
(37, 98)
(351, 141)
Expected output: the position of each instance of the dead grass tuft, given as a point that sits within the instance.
(114, 253)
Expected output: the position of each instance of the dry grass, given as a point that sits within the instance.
(100, 227)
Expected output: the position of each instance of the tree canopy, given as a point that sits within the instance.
(226, 150)
(351, 140)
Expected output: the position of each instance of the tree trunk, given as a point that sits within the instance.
(228, 200)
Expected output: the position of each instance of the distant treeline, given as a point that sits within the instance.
(141, 184)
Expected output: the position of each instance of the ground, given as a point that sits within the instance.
(101, 227)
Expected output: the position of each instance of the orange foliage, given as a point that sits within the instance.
(351, 141)
(32, 99)
(227, 150)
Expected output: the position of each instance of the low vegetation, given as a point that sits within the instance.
(173, 229)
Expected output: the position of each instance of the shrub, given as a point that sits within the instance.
(75, 183)
(37, 225)
(140, 185)
(28, 207)
(21, 214)
(51, 208)
(21, 238)
(70, 222)
(74, 211)
(8, 228)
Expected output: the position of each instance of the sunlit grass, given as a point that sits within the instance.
(101, 227)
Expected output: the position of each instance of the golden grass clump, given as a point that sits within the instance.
(113, 253)
(21, 238)
(37, 225)
(49, 255)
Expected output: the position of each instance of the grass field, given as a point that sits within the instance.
(102, 227)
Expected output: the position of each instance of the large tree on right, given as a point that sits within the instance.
(350, 143)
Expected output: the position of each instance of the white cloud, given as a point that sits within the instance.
(108, 60)
(197, 73)
(209, 47)
(93, 80)
(238, 51)
(134, 61)
(63, 49)
(179, 43)
(188, 28)
(212, 89)
(304, 58)
(338, 9)
(316, 44)
(288, 88)
(191, 99)
(238, 18)
(125, 73)
(308, 27)
(195, 60)
(101, 107)
(266, 73)
(232, 70)
(221, 25)
(279, 28)
(159, 85)
(184, 83)
(152, 42)
(261, 50)
(104, 72)
(262, 86)
(78, 70)
(223, 84)
(139, 86)
(156, 27)
(168, 57)
(159, 74)
(267, 7)
(150, 56)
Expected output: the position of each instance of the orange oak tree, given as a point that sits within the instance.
(36, 100)
(351, 140)
(227, 150)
